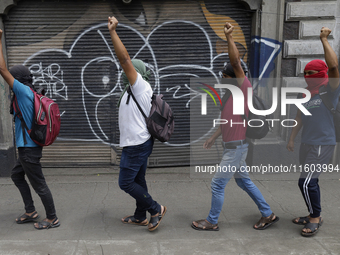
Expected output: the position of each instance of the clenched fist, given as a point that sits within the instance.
(112, 23)
(228, 29)
(325, 31)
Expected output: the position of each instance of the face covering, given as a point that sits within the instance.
(24, 76)
(141, 69)
(315, 81)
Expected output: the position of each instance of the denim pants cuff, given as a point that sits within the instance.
(155, 211)
(267, 214)
(211, 221)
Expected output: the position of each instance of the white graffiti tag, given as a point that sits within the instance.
(51, 78)
(96, 94)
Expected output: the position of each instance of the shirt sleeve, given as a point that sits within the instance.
(334, 93)
(21, 91)
(140, 86)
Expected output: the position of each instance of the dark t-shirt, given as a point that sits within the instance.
(318, 128)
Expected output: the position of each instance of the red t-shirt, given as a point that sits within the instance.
(236, 127)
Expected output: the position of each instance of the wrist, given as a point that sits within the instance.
(229, 36)
(213, 138)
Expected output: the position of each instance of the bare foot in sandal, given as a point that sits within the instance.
(312, 227)
(47, 223)
(266, 222)
(27, 217)
(301, 220)
(156, 219)
(204, 225)
(132, 220)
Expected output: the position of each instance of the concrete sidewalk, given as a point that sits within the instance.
(90, 205)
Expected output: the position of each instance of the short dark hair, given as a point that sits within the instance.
(229, 70)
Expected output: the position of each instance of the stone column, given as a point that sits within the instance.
(311, 16)
(268, 32)
(7, 145)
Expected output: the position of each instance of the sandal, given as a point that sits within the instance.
(301, 220)
(132, 220)
(27, 218)
(156, 220)
(205, 225)
(313, 227)
(266, 222)
(46, 225)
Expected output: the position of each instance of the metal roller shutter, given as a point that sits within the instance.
(67, 46)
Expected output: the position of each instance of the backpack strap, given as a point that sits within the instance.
(21, 118)
(163, 106)
(129, 91)
(225, 98)
(326, 99)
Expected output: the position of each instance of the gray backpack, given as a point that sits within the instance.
(160, 122)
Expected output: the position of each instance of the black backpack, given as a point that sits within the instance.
(334, 110)
(160, 122)
(255, 130)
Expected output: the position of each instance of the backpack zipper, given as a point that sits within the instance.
(49, 113)
(40, 108)
(49, 116)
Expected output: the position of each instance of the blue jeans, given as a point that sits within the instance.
(233, 160)
(133, 165)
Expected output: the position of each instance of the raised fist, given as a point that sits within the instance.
(112, 23)
(228, 29)
(325, 31)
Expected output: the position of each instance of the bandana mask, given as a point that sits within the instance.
(315, 81)
(141, 69)
(23, 75)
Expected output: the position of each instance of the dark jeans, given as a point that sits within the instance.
(311, 158)
(133, 165)
(29, 164)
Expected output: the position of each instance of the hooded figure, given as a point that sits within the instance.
(315, 81)
(141, 69)
(23, 75)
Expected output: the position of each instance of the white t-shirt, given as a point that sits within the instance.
(132, 125)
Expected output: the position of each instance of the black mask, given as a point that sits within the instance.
(23, 75)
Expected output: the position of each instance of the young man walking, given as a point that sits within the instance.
(318, 133)
(135, 138)
(19, 79)
(235, 150)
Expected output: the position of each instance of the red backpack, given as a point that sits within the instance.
(46, 120)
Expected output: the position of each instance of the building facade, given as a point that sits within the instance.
(67, 47)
